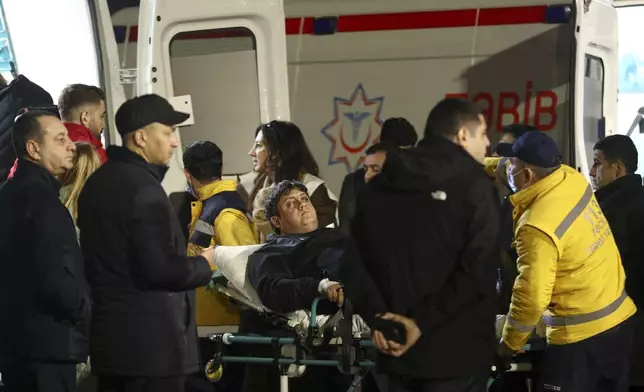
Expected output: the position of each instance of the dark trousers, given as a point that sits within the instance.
(461, 384)
(32, 376)
(141, 384)
(596, 364)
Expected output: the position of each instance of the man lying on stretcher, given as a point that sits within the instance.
(293, 268)
(303, 262)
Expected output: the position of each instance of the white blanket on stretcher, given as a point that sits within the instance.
(231, 262)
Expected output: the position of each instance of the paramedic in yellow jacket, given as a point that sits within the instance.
(570, 272)
(218, 218)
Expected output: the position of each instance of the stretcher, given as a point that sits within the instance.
(341, 340)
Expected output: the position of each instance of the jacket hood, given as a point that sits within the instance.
(214, 188)
(422, 169)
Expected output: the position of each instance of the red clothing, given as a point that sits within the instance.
(80, 133)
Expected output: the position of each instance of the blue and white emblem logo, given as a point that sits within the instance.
(355, 126)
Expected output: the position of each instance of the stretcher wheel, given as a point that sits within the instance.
(214, 370)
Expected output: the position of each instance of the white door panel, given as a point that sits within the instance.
(110, 67)
(162, 21)
(595, 77)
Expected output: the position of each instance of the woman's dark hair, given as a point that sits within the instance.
(288, 154)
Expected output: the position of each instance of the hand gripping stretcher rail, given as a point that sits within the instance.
(342, 340)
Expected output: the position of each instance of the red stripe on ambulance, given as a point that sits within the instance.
(426, 20)
(389, 22)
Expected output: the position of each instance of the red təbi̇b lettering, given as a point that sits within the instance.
(539, 109)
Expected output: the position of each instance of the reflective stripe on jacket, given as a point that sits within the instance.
(569, 265)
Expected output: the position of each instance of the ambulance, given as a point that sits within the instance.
(339, 68)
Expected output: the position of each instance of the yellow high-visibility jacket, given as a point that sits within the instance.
(218, 218)
(570, 270)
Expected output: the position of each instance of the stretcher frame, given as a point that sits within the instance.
(353, 358)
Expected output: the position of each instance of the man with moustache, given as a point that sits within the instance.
(44, 303)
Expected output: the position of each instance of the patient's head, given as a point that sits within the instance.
(289, 209)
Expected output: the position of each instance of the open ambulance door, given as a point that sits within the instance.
(595, 78)
(631, 73)
(109, 69)
(222, 61)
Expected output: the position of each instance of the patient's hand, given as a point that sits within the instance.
(335, 294)
(209, 254)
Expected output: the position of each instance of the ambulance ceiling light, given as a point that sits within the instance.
(557, 14)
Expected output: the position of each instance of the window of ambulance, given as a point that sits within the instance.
(593, 103)
(7, 59)
(218, 69)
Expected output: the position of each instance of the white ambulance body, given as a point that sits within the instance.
(343, 68)
(353, 64)
(336, 68)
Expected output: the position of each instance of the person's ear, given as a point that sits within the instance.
(33, 150)
(620, 169)
(140, 138)
(530, 175)
(276, 222)
(461, 136)
(84, 118)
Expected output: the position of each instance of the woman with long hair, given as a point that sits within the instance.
(280, 153)
(86, 161)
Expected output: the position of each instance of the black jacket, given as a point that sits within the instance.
(143, 320)
(44, 303)
(622, 202)
(352, 184)
(428, 231)
(287, 271)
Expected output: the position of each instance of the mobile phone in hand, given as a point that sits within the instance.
(392, 330)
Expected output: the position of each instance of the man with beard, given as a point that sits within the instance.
(620, 195)
(427, 228)
(82, 109)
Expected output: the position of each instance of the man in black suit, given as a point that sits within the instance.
(44, 303)
(144, 336)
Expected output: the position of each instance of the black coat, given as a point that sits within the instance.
(143, 320)
(44, 303)
(428, 231)
(352, 184)
(287, 270)
(622, 202)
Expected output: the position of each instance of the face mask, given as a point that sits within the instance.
(511, 183)
(191, 189)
